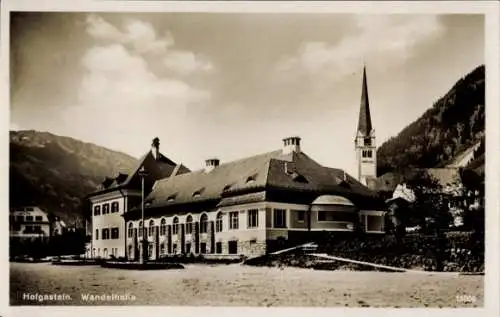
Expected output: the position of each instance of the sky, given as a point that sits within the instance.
(232, 85)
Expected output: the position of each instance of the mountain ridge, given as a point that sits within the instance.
(57, 172)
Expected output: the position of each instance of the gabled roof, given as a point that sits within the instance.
(272, 170)
(158, 168)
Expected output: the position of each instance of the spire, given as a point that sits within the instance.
(365, 120)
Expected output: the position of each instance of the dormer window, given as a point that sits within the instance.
(251, 179)
(299, 178)
(171, 198)
(226, 188)
(198, 193)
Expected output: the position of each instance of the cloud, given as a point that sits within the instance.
(142, 38)
(119, 91)
(185, 62)
(140, 35)
(381, 41)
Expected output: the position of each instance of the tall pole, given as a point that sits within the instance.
(142, 174)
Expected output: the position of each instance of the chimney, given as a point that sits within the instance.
(289, 168)
(155, 148)
(291, 144)
(210, 164)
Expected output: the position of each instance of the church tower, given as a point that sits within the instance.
(365, 146)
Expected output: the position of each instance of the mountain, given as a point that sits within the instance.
(455, 123)
(56, 172)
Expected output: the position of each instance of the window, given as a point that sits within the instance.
(175, 227)
(114, 207)
(163, 227)
(189, 224)
(105, 234)
(130, 230)
(38, 218)
(115, 232)
(188, 248)
(368, 141)
(29, 218)
(336, 216)
(162, 249)
(97, 234)
(233, 220)
(218, 247)
(279, 218)
(251, 179)
(150, 250)
(203, 248)
(232, 247)
(20, 218)
(151, 227)
(198, 193)
(218, 222)
(37, 229)
(30, 209)
(28, 229)
(321, 215)
(97, 210)
(140, 229)
(253, 218)
(105, 209)
(105, 252)
(367, 153)
(226, 188)
(204, 223)
(174, 248)
(130, 251)
(301, 215)
(171, 198)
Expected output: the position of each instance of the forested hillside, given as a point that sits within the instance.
(454, 123)
(56, 172)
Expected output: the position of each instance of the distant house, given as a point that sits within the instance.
(29, 223)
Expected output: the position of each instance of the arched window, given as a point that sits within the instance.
(140, 229)
(130, 229)
(218, 222)
(175, 227)
(151, 227)
(204, 223)
(189, 224)
(163, 227)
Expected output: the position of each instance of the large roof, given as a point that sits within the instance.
(158, 168)
(272, 170)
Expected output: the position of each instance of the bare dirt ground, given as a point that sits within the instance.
(237, 285)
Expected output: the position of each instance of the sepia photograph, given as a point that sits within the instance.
(257, 159)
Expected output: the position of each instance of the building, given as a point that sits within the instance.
(365, 143)
(29, 223)
(115, 196)
(245, 207)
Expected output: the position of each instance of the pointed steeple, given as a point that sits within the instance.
(365, 120)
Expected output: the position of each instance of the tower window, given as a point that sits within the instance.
(368, 141)
(367, 153)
